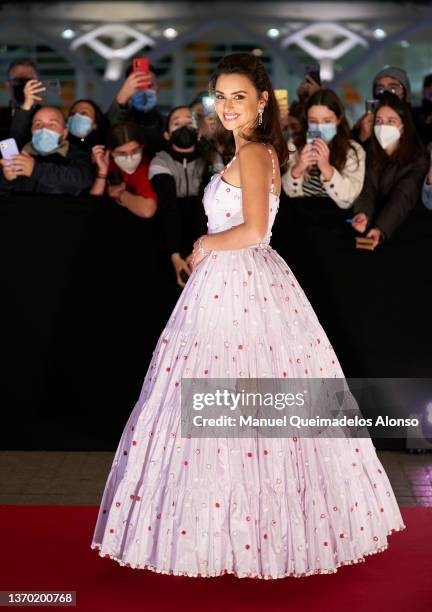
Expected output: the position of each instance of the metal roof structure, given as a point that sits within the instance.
(97, 39)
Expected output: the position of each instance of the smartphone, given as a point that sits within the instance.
(313, 70)
(282, 100)
(312, 135)
(364, 243)
(8, 149)
(52, 87)
(371, 105)
(114, 178)
(141, 64)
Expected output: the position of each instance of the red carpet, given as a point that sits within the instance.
(48, 548)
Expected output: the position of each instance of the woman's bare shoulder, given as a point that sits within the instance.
(251, 150)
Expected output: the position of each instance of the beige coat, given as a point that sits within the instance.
(344, 187)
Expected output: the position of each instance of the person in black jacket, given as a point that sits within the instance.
(396, 165)
(179, 177)
(138, 105)
(20, 72)
(48, 164)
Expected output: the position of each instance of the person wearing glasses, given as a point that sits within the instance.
(393, 80)
(396, 165)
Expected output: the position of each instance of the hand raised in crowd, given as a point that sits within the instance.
(307, 87)
(308, 157)
(322, 153)
(360, 222)
(23, 164)
(101, 157)
(134, 82)
(180, 265)
(115, 191)
(31, 89)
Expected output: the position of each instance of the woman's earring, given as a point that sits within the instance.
(260, 112)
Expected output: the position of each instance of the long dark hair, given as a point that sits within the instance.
(410, 143)
(270, 130)
(340, 144)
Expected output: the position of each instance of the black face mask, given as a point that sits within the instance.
(184, 137)
(18, 89)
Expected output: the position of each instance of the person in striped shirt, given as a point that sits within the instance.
(332, 166)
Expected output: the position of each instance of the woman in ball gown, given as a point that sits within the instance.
(253, 507)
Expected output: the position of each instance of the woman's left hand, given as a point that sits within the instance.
(196, 257)
(322, 157)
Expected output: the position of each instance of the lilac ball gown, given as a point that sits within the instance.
(261, 508)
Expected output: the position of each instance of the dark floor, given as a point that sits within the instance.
(51, 477)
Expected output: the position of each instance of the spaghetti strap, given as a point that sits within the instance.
(273, 167)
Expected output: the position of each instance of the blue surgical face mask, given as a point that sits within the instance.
(79, 125)
(328, 130)
(144, 100)
(45, 141)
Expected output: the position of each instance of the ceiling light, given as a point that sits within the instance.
(68, 34)
(379, 33)
(170, 33)
(273, 33)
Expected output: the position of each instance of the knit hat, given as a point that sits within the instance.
(396, 73)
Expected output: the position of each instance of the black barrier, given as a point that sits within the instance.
(86, 292)
(374, 305)
(85, 295)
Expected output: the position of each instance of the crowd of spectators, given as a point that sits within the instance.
(157, 165)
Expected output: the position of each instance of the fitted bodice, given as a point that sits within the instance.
(223, 206)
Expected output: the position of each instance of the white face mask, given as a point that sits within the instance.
(128, 163)
(387, 134)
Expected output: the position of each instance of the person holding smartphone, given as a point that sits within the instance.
(325, 175)
(19, 72)
(137, 101)
(331, 165)
(48, 163)
(34, 92)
